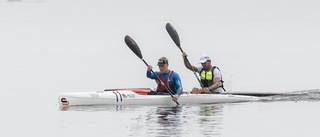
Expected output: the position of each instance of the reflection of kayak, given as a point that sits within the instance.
(139, 96)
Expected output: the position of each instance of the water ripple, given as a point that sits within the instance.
(304, 95)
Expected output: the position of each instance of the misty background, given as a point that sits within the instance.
(54, 46)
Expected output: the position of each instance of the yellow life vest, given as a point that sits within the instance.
(206, 75)
(206, 78)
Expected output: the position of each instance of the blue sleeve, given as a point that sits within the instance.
(151, 75)
(177, 83)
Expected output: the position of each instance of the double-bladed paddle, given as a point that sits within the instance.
(175, 37)
(136, 50)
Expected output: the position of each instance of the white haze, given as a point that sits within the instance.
(78, 45)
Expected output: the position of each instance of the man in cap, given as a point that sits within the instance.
(210, 76)
(170, 80)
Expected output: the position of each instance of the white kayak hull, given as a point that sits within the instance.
(129, 97)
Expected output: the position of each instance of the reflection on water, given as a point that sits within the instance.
(94, 108)
(162, 120)
(230, 119)
(168, 116)
(168, 121)
(193, 120)
(211, 119)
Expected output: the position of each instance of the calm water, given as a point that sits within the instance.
(296, 115)
(49, 47)
(281, 116)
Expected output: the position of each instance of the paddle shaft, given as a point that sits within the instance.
(175, 37)
(136, 50)
(169, 90)
(194, 72)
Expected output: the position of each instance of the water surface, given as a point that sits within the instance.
(49, 47)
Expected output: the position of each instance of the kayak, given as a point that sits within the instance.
(141, 96)
(260, 94)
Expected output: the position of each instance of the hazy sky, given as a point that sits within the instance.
(77, 45)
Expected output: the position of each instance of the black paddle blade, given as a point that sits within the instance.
(133, 46)
(173, 34)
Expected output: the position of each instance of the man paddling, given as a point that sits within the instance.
(170, 79)
(211, 79)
